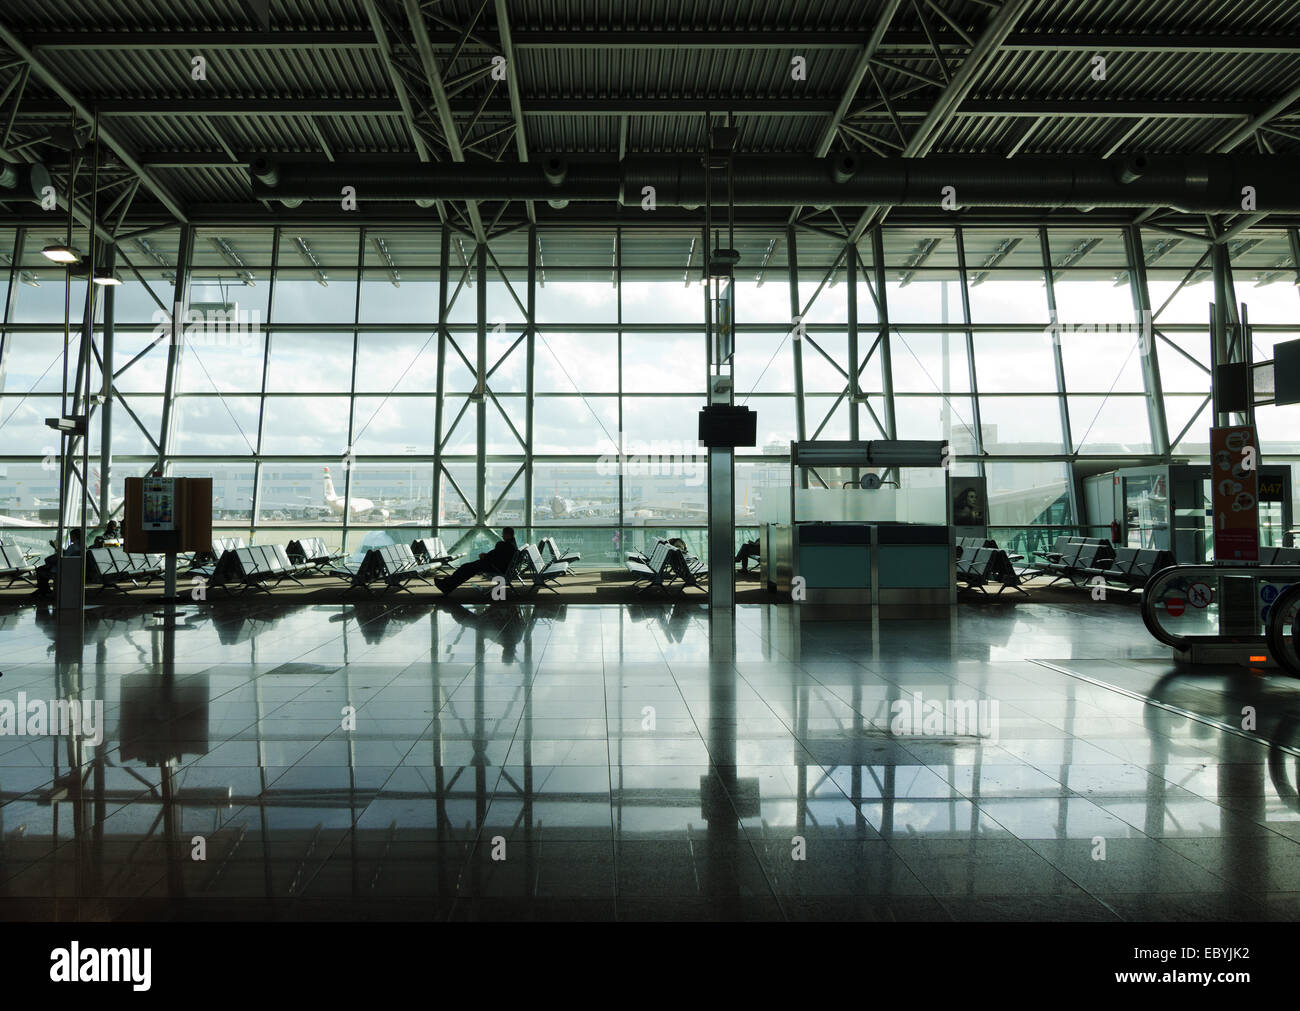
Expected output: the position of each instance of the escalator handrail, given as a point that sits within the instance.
(1161, 634)
(1282, 651)
(1181, 642)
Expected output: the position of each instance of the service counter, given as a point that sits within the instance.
(860, 563)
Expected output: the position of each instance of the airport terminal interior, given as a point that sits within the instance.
(516, 460)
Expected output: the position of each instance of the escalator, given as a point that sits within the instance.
(1226, 614)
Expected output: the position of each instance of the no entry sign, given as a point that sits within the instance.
(1175, 606)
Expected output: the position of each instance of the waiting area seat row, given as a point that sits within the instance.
(256, 568)
(15, 566)
(980, 566)
(111, 567)
(665, 567)
(1084, 560)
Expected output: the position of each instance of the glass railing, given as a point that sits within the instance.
(1027, 541)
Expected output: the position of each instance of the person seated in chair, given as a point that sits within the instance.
(747, 551)
(496, 562)
(48, 571)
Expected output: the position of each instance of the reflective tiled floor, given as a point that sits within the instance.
(601, 762)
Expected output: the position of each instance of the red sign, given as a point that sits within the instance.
(1234, 493)
(1175, 606)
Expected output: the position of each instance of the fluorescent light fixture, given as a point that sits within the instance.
(107, 280)
(60, 253)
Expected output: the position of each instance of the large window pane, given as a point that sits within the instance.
(310, 363)
(294, 492)
(216, 426)
(1015, 363)
(414, 299)
(928, 296)
(560, 301)
(663, 363)
(573, 494)
(1084, 298)
(930, 362)
(1101, 361)
(576, 425)
(396, 362)
(232, 489)
(1029, 425)
(576, 363)
(661, 302)
(300, 297)
(313, 426)
(1111, 425)
(659, 419)
(390, 426)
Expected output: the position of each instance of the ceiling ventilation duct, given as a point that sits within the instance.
(1195, 183)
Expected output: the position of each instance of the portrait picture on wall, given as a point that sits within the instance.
(969, 505)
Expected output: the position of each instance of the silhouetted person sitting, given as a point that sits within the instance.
(496, 561)
(110, 538)
(50, 569)
(747, 551)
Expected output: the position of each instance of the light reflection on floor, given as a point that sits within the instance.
(534, 761)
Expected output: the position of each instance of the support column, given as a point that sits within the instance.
(886, 354)
(801, 417)
(530, 385)
(106, 394)
(1137, 276)
(180, 300)
(444, 253)
(349, 483)
(1058, 363)
(480, 386)
(722, 527)
(267, 338)
(1226, 337)
(970, 352)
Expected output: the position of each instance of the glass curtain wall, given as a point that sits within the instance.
(369, 384)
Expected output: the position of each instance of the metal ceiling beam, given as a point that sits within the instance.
(52, 81)
(186, 40)
(408, 113)
(380, 38)
(451, 136)
(1244, 131)
(512, 83)
(945, 107)
(632, 105)
(856, 76)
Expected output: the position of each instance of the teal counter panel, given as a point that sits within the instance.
(835, 566)
(907, 566)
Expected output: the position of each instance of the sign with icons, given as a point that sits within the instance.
(1234, 493)
(159, 504)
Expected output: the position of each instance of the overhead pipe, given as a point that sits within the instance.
(1194, 183)
(23, 181)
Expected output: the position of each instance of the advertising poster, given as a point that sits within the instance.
(969, 505)
(1234, 493)
(159, 504)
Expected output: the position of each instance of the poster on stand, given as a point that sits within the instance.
(159, 504)
(1234, 493)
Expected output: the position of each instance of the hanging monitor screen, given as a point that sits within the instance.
(722, 425)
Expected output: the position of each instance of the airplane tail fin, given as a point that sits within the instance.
(329, 485)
